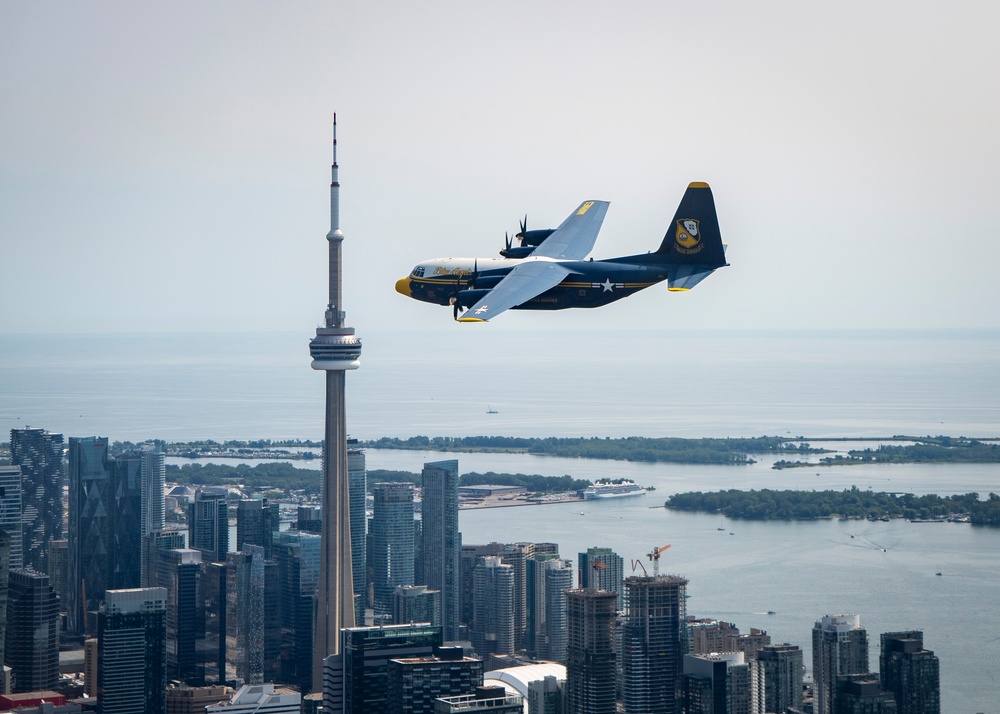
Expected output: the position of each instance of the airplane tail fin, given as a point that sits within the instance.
(692, 248)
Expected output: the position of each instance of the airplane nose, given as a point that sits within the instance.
(403, 286)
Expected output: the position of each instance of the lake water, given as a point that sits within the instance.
(653, 383)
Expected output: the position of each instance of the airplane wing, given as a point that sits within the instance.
(575, 237)
(521, 284)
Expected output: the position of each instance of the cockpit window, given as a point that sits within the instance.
(418, 272)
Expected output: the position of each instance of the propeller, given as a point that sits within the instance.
(524, 229)
(506, 240)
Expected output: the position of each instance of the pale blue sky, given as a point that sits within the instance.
(165, 166)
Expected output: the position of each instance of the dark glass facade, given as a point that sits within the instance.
(39, 453)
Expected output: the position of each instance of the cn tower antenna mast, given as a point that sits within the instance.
(335, 349)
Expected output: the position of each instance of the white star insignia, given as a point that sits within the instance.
(607, 285)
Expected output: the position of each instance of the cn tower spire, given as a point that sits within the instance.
(335, 349)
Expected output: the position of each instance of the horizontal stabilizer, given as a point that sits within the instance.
(685, 277)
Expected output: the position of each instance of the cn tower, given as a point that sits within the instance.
(335, 349)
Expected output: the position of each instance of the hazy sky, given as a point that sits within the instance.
(165, 166)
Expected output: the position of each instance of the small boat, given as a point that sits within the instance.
(491, 410)
(938, 573)
(771, 612)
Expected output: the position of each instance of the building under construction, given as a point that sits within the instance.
(654, 642)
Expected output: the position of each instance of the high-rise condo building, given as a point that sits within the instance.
(548, 577)
(778, 680)
(840, 646)
(152, 543)
(484, 700)
(601, 569)
(132, 652)
(208, 524)
(392, 542)
(335, 349)
(910, 672)
(154, 472)
(590, 656)
(105, 527)
(654, 642)
(213, 598)
(441, 541)
(39, 453)
(492, 631)
(10, 511)
(469, 556)
(717, 683)
(516, 556)
(58, 569)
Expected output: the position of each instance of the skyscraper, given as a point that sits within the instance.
(492, 631)
(840, 646)
(601, 569)
(779, 677)
(548, 577)
(415, 682)
(416, 603)
(654, 642)
(441, 543)
(357, 477)
(178, 572)
(154, 473)
(10, 511)
(132, 654)
(910, 672)
(208, 524)
(335, 349)
(105, 537)
(590, 655)
(39, 453)
(245, 615)
(392, 542)
(298, 572)
(32, 647)
(256, 521)
(516, 555)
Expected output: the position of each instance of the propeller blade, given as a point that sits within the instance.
(506, 239)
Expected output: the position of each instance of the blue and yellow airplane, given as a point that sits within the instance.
(549, 270)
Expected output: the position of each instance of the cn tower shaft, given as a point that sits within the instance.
(335, 349)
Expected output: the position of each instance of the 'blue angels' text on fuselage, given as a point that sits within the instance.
(548, 271)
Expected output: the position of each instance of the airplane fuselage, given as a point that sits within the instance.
(590, 283)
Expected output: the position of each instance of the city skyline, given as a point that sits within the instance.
(841, 153)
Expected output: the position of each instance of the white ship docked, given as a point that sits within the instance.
(617, 488)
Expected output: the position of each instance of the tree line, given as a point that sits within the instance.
(767, 504)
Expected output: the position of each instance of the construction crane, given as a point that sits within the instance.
(654, 555)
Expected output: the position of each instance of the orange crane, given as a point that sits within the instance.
(654, 555)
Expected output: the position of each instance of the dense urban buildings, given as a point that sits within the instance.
(39, 453)
(416, 682)
(718, 683)
(492, 631)
(208, 524)
(779, 677)
(601, 569)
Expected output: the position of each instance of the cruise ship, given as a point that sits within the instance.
(617, 488)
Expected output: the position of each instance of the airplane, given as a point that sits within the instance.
(549, 270)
